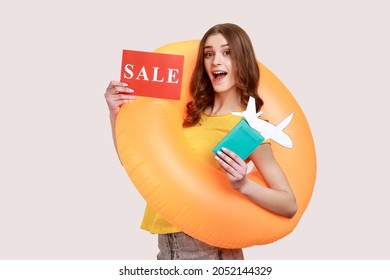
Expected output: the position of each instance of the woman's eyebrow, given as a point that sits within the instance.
(210, 47)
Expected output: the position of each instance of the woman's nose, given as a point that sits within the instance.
(217, 59)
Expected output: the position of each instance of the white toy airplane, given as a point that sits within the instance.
(267, 130)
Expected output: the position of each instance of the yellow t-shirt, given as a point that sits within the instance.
(202, 137)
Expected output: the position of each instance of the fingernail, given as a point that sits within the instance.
(124, 84)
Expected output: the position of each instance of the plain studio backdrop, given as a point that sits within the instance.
(63, 192)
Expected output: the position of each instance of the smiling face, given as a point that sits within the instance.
(219, 65)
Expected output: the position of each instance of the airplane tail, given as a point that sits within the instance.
(240, 114)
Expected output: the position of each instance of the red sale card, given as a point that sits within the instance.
(153, 74)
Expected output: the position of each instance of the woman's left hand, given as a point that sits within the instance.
(233, 166)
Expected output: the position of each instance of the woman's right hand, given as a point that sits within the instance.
(116, 95)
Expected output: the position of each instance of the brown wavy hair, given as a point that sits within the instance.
(246, 71)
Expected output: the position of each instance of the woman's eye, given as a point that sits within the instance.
(208, 54)
(226, 52)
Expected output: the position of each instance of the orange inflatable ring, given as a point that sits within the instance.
(188, 192)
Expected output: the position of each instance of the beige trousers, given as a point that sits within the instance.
(180, 246)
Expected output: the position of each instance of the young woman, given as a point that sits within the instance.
(225, 76)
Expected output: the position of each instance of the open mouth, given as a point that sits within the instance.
(219, 74)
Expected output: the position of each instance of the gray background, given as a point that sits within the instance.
(63, 193)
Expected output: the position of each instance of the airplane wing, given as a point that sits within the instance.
(251, 107)
(267, 130)
(250, 111)
(283, 124)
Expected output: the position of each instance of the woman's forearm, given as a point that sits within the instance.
(280, 202)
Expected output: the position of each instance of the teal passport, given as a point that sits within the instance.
(242, 140)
